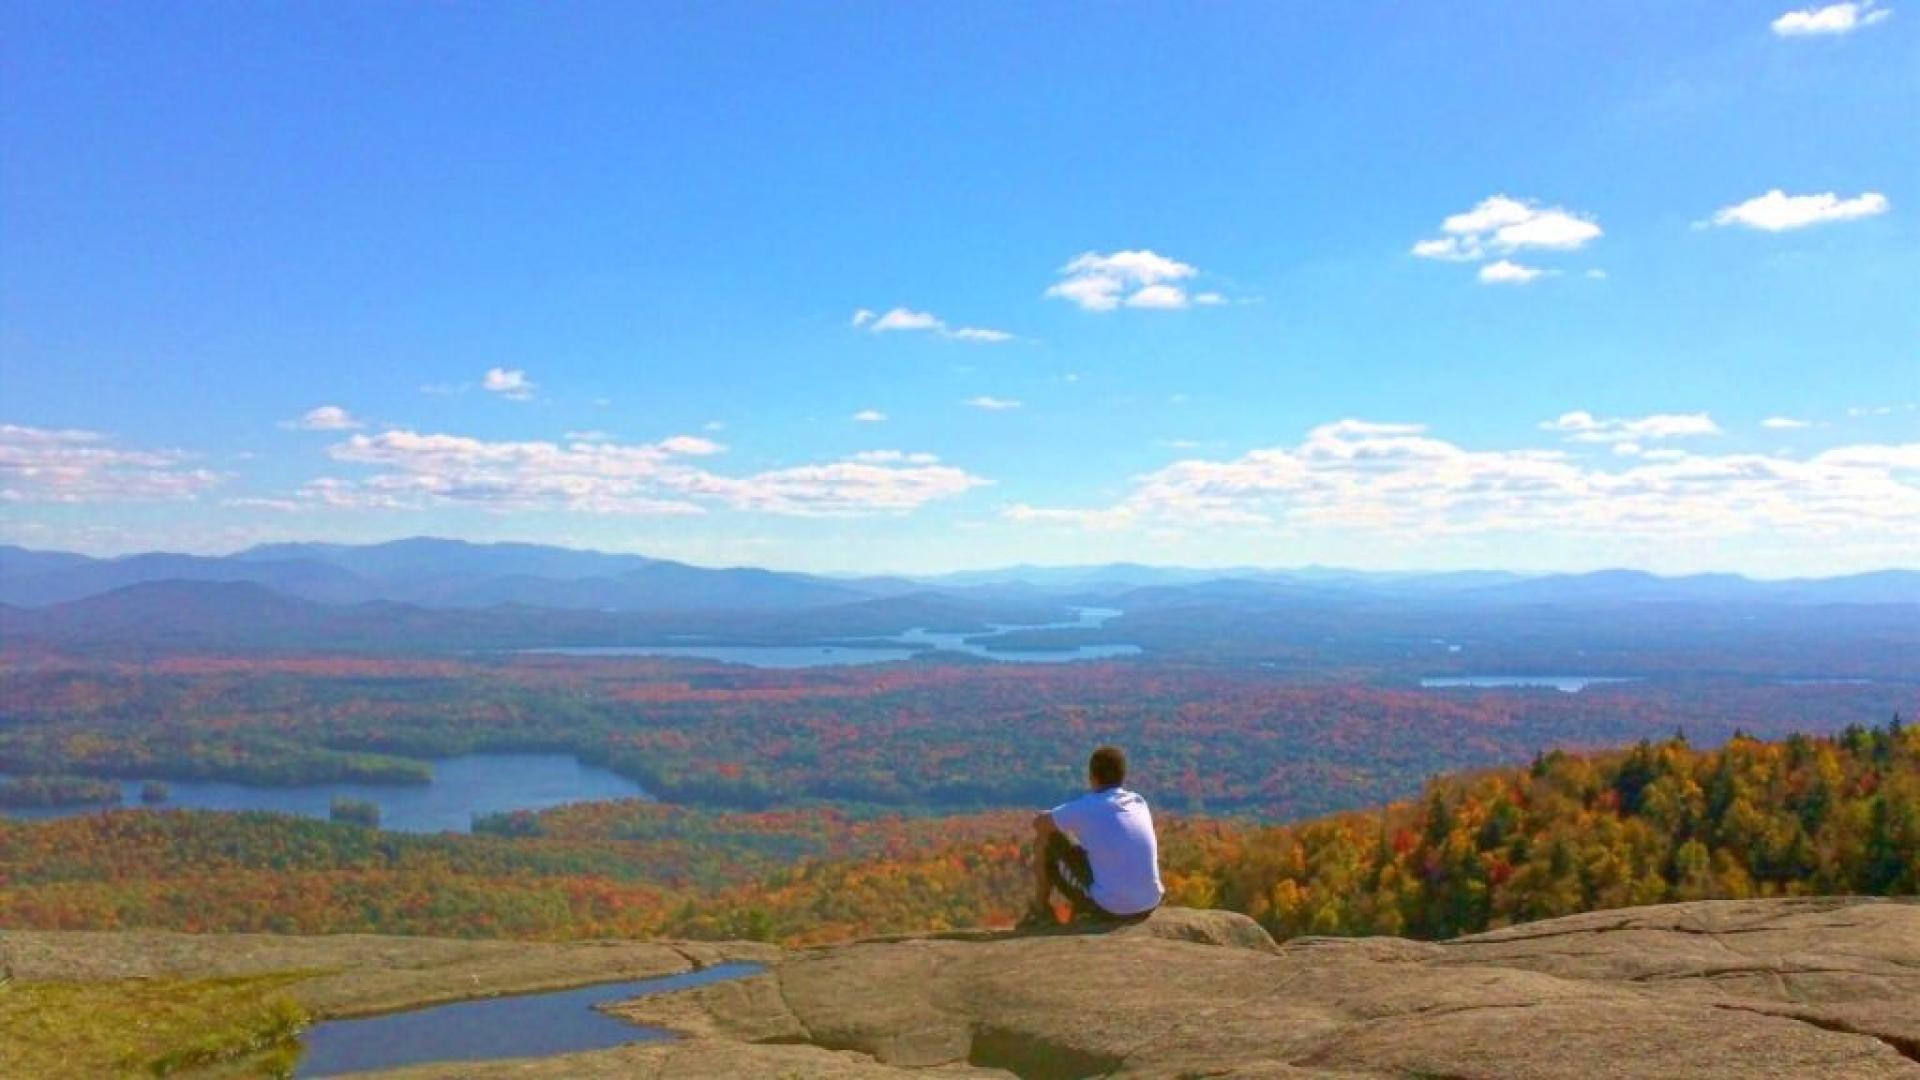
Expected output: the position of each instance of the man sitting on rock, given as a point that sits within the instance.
(1098, 851)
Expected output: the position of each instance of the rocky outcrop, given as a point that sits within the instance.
(1821, 987)
(1714, 989)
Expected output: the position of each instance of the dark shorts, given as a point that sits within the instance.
(1071, 874)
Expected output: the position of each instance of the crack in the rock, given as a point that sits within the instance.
(1906, 1048)
(1234, 1006)
(806, 1032)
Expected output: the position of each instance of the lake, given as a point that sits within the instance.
(462, 787)
(524, 1025)
(912, 643)
(1566, 684)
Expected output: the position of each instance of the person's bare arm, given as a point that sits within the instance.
(1043, 825)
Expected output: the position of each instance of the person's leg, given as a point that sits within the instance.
(1069, 873)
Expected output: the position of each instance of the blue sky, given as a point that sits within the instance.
(1501, 285)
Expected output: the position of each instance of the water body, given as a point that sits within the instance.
(525, 1025)
(462, 787)
(1566, 684)
(916, 642)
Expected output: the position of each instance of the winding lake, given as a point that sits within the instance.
(1566, 684)
(524, 1025)
(462, 787)
(912, 643)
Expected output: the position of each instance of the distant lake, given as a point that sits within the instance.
(524, 1025)
(462, 787)
(1566, 684)
(912, 643)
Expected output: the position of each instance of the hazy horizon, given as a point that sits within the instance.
(938, 572)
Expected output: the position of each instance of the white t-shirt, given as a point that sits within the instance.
(1116, 828)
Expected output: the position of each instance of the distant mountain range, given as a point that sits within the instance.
(439, 574)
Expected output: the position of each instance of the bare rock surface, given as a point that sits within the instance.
(1818, 987)
(1826, 987)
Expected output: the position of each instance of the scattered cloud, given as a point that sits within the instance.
(1137, 279)
(888, 457)
(408, 470)
(1508, 272)
(1783, 423)
(324, 418)
(1584, 427)
(591, 435)
(510, 383)
(1777, 211)
(869, 416)
(1398, 480)
(1831, 19)
(64, 465)
(906, 319)
(992, 404)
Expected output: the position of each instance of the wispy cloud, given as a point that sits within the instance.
(991, 404)
(1777, 211)
(906, 319)
(1783, 423)
(1508, 272)
(410, 470)
(324, 418)
(1397, 480)
(1136, 279)
(1582, 426)
(65, 465)
(510, 383)
(869, 416)
(1831, 19)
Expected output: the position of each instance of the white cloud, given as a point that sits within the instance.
(324, 418)
(1502, 225)
(690, 446)
(52, 465)
(906, 319)
(1582, 426)
(869, 416)
(591, 435)
(980, 333)
(1508, 272)
(1396, 480)
(1783, 423)
(903, 319)
(1209, 299)
(1777, 211)
(511, 383)
(1138, 279)
(991, 404)
(1158, 297)
(409, 470)
(1831, 19)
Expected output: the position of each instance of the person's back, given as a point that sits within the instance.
(1116, 829)
(1099, 850)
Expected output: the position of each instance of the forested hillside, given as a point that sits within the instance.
(1658, 822)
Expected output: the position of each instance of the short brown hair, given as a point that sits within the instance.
(1107, 766)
